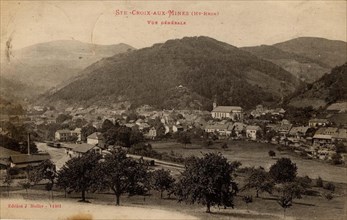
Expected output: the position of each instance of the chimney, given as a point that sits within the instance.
(28, 143)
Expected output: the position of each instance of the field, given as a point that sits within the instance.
(151, 206)
(256, 154)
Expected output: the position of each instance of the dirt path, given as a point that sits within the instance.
(31, 209)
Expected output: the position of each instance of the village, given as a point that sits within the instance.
(80, 130)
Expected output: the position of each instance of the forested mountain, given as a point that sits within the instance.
(329, 52)
(307, 58)
(42, 66)
(330, 88)
(196, 68)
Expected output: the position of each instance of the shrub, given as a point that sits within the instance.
(328, 196)
(272, 153)
(336, 159)
(329, 186)
(319, 182)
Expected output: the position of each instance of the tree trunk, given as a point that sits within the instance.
(117, 199)
(257, 193)
(161, 194)
(284, 213)
(65, 193)
(208, 208)
(83, 195)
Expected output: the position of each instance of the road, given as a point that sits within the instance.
(58, 155)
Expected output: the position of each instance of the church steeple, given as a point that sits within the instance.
(215, 102)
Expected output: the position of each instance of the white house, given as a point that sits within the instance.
(251, 132)
(66, 135)
(95, 138)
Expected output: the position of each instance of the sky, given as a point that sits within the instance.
(240, 23)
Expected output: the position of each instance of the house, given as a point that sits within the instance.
(95, 139)
(176, 128)
(316, 122)
(340, 136)
(239, 127)
(298, 132)
(327, 131)
(252, 131)
(220, 129)
(24, 160)
(322, 139)
(68, 135)
(143, 126)
(284, 127)
(324, 136)
(233, 112)
(278, 111)
(152, 133)
(76, 150)
(5, 155)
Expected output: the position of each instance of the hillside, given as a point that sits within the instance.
(13, 89)
(45, 65)
(204, 67)
(307, 58)
(329, 89)
(329, 52)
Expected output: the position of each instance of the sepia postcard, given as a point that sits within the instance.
(173, 109)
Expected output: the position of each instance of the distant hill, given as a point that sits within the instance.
(13, 89)
(8, 107)
(329, 89)
(307, 58)
(45, 65)
(329, 52)
(181, 73)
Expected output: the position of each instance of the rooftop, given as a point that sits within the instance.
(96, 136)
(24, 158)
(227, 109)
(80, 148)
(6, 153)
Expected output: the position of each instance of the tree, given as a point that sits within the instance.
(208, 181)
(319, 182)
(25, 185)
(63, 181)
(225, 145)
(207, 143)
(247, 199)
(106, 125)
(63, 117)
(161, 180)
(8, 180)
(86, 131)
(285, 202)
(184, 138)
(284, 170)
(340, 148)
(122, 175)
(136, 137)
(46, 170)
(328, 196)
(272, 153)
(260, 181)
(80, 171)
(336, 159)
(329, 186)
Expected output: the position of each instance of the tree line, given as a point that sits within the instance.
(208, 180)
